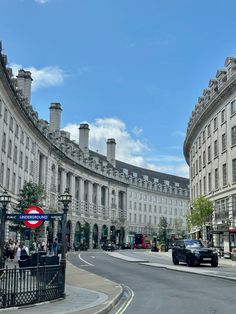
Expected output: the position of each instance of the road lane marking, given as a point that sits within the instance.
(85, 261)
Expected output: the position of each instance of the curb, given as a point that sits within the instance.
(190, 272)
(111, 303)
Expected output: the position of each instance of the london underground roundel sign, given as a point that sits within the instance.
(33, 210)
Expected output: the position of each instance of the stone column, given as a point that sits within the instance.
(90, 192)
(63, 180)
(81, 189)
(99, 195)
(72, 186)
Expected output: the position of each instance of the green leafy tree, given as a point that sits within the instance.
(163, 230)
(30, 194)
(201, 211)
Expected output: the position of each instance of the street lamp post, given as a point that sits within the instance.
(65, 199)
(4, 200)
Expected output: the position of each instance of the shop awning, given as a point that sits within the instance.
(231, 230)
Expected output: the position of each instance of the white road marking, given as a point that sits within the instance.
(85, 261)
(92, 256)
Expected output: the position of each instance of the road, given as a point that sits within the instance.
(157, 290)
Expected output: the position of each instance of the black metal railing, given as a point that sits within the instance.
(21, 286)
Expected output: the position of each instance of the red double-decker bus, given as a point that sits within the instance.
(142, 241)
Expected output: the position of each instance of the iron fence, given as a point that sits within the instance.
(21, 286)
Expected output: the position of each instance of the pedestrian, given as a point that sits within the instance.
(23, 260)
(55, 247)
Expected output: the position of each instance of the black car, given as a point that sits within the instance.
(109, 246)
(193, 252)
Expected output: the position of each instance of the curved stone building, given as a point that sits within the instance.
(111, 199)
(210, 151)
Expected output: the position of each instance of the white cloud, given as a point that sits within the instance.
(137, 131)
(41, 1)
(129, 149)
(46, 77)
(179, 133)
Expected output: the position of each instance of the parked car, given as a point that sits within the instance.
(193, 252)
(125, 246)
(109, 246)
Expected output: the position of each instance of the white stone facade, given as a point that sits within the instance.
(102, 188)
(210, 150)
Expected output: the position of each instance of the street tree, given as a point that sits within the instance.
(30, 194)
(163, 230)
(201, 211)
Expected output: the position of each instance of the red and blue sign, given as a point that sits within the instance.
(33, 217)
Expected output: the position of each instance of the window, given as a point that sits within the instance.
(204, 185)
(31, 167)
(200, 163)
(222, 116)
(21, 160)
(215, 123)
(209, 130)
(209, 182)
(199, 142)
(8, 179)
(216, 179)
(5, 115)
(233, 106)
(196, 167)
(2, 174)
(17, 131)
(215, 148)
(19, 184)
(13, 185)
(26, 163)
(140, 206)
(22, 137)
(233, 136)
(203, 136)
(200, 187)
(4, 138)
(234, 170)
(224, 174)
(204, 158)
(209, 153)
(9, 149)
(223, 142)
(145, 219)
(11, 124)
(27, 142)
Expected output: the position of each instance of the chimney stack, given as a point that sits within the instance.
(24, 81)
(55, 116)
(111, 151)
(84, 138)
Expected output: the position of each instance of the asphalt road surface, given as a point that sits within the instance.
(160, 291)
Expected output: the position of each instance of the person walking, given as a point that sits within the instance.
(55, 247)
(23, 260)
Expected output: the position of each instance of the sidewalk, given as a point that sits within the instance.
(86, 293)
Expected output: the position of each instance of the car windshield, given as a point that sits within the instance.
(193, 243)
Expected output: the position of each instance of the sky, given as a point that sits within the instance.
(132, 69)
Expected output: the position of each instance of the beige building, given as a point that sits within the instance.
(210, 151)
(110, 199)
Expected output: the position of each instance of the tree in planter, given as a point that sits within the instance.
(30, 194)
(201, 212)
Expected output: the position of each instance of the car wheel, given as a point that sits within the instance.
(189, 261)
(214, 263)
(174, 260)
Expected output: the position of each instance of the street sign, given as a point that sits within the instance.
(32, 210)
(34, 217)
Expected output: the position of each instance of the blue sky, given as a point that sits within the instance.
(132, 69)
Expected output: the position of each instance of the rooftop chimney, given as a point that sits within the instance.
(55, 116)
(111, 151)
(84, 138)
(24, 81)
